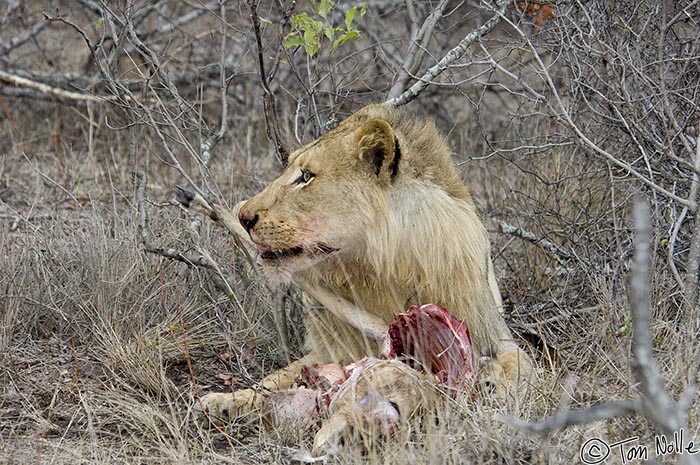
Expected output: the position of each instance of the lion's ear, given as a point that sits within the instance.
(379, 149)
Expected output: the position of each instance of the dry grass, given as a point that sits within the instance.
(104, 349)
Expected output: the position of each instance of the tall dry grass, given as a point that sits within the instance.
(104, 349)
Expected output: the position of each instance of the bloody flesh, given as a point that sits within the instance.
(431, 336)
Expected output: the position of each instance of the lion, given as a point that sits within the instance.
(368, 220)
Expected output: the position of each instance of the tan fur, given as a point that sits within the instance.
(385, 223)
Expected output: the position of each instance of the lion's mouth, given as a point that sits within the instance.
(284, 253)
(319, 249)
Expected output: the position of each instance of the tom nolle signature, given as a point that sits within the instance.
(596, 450)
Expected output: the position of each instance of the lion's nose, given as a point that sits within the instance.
(248, 219)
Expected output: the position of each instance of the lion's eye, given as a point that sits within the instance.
(304, 178)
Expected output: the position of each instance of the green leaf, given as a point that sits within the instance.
(317, 26)
(310, 42)
(292, 41)
(98, 24)
(363, 10)
(350, 16)
(350, 35)
(325, 8)
(329, 31)
(310, 37)
(626, 327)
(311, 50)
(265, 20)
(298, 21)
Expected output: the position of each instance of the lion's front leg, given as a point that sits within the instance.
(508, 375)
(230, 405)
(225, 406)
(369, 324)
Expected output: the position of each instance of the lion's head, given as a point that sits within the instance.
(320, 205)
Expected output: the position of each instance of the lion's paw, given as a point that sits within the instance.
(507, 376)
(225, 407)
(329, 436)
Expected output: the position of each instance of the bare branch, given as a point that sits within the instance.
(691, 278)
(26, 36)
(564, 113)
(144, 231)
(269, 107)
(450, 57)
(656, 401)
(220, 215)
(671, 249)
(183, 106)
(562, 315)
(54, 91)
(566, 418)
(223, 280)
(188, 17)
(416, 51)
(558, 251)
(214, 139)
(62, 81)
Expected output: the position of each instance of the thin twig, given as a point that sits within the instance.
(222, 280)
(220, 215)
(450, 57)
(566, 418)
(566, 117)
(26, 36)
(671, 249)
(416, 50)
(563, 315)
(269, 106)
(184, 107)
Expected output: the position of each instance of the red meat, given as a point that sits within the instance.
(432, 337)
